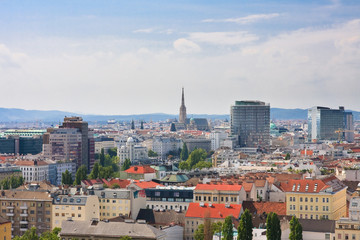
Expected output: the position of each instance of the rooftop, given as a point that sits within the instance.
(216, 210)
(140, 169)
(218, 187)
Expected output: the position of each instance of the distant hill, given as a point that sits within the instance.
(21, 115)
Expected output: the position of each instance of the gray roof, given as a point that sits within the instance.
(311, 225)
(72, 200)
(113, 194)
(109, 229)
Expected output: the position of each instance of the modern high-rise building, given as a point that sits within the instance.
(182, 113)
(329, 124)
(73, 141)
(250, 122)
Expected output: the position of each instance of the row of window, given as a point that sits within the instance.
(293, 199)
(215, 199)
(113, 201)
(31, 204)
(113, 208)
(63, 215)
(63, 207)
(325, 208)
(30, 212)
(311, 216)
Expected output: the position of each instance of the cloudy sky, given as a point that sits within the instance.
(130, 57)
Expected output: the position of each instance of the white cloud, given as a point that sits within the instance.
(144, 30)
(9, 58)
(245, 20)
(223, 38)
(184, 45)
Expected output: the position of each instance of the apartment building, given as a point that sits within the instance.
(314, 199)
(120, 202)
(5, 229)
(33, 170)
(349, 228)
(197, 212)
(77, 207)
(25, 209)
(219, 193)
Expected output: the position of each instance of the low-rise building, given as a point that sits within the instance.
(146, 173)
(8, 170)
(197, 212)
(5, 228)
(33, 171)
(109, 230)
(77, 207)
(170, 197)
(219, 193)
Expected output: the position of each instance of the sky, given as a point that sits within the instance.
(133, 57)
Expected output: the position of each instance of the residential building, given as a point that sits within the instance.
(250, 122)
(132, 150)
(15, 144)
(219, 193)
(215, 212)
(349, 228)
(217, 138)
(33, 170)
(145, 172)
(77, 207)
(26, 209)
(120, 202)
(163, 145)
(329, 124)
(109, 230)
(61, 167)
(314, 199)
(105, 143)
(170, 197)
(5, 229)
(7, 170)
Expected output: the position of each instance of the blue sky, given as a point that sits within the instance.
(127, 57)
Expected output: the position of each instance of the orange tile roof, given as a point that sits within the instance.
(215, 211)
(308, 152)
(247, 186)
(30, 163)
(267, 207)
(140, 169)
(301, 185)
(218, 187)
(145, 185)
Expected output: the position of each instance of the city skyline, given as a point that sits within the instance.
(111, 57)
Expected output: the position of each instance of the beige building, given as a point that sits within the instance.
(120, 202)
(77, 207)
(219, 193)
(26, 209)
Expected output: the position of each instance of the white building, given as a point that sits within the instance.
(132, 151)
(61, 167)
(163, 145)
(217, 138)
(33, 171)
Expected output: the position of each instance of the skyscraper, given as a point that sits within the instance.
(182, 113)
(250, 122)
(326, 124)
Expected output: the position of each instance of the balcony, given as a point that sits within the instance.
(23, 207)
(23, 214)
(23, 229)
(24, 222)
(10, 207)
(9, 214)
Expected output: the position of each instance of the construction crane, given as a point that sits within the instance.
(340, 131)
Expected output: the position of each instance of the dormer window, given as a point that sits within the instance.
(293, 189)
(315, 187)
(298, 187)
(307, 187)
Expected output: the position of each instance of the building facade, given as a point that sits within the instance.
(219, 193)
(163, 145)
(132, 151)
(250, 122)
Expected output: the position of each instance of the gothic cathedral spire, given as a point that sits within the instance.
(182, 114)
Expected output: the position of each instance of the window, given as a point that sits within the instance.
(176, 194)
(79, 208)
(306, 199)
(301, 199)
(327, 199)
(63, 214)
(323, 199)
(306, 207)
(307, 187)
(215, 199)
(316, 208)
(157, 194)
(317, 200)
(311, 199)
(315, 187)
(293, 188)
(79, 215)
(301, 207)
(311, 208)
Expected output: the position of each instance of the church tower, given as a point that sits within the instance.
(182, 114)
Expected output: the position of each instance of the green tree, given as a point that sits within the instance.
(196, 156)
(80, 175)
(245, 226)
(151, 153)
(106, 172)
(287, 157)
(28, 235)
(227, 229)
(199, 232)
(216, 227)
(53, 235)
(112, 152)
(184, 155)
(295, 229)
(102, 157)
(273, 230)
(66, 178)
(203, 164)
(126, 165)
(142, 125)
(125, 238)
(95, 171)
(132, 125)
(184, 165)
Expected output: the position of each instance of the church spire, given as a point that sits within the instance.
(182, 113)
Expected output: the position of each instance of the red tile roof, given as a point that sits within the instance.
(219, 187)
(145, 185)
(300, 185)
(140, 169)
(30, 163)
(267, 207)
(247, 186)
(215, 211)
